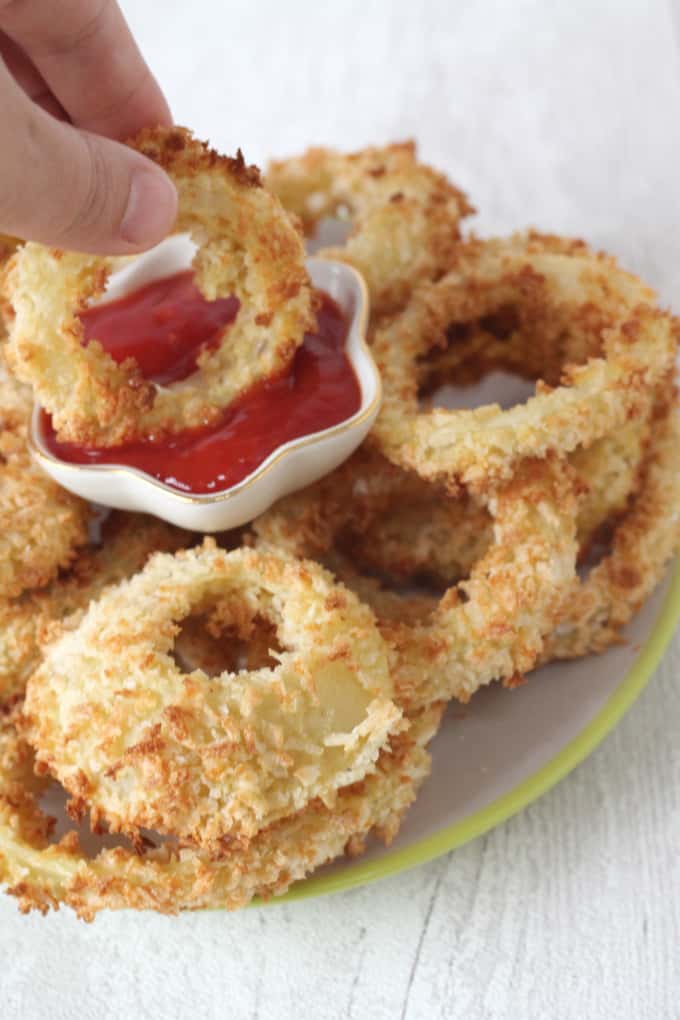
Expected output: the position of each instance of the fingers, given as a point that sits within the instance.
(26, 76)
(89, 59)
(72, 189)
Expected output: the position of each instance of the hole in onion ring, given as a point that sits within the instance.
(507, 389)
(483, 362)
(598, 546)
(207, 643)
(54, 804)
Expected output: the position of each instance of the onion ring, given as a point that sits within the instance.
(41, 525)
(425, 535)
(405, 216)
(597, 608)
(170, 878)
(28, 623)
(390, 606)
(583, 302)
(248, 248)
(209, 758)
(492, 625)
(8, 246)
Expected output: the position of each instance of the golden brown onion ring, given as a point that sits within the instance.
(8, 246)
(404, 215)
(29, 622)
(41, 525)
(248, 247)
(490, 626)
(169, 878)
(597, 608)
(616, 347)
(426, 536)
(148, 746)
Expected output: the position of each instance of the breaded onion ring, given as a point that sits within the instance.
(490, 626)
(8, 246)
(616, 347)
(248, 248)
(147, 746)
(389, 605)
(609, 473)
(404, 215)
(169, 879)
(41, 525)
(597, 608)
(425, 535)
(29, 622)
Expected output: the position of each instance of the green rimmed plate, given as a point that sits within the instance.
(507, 748)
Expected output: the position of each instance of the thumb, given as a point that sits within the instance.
(71, 189)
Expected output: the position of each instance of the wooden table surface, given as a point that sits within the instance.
(562, 115)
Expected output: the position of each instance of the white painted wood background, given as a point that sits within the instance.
(566, 115)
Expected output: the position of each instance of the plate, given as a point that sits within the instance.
(507, 748)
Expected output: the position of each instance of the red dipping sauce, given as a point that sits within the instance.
(164, 327)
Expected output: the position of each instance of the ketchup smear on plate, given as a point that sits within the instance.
(164, 326)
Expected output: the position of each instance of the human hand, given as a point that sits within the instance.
(73, 85)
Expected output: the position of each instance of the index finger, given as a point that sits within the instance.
(87, 55)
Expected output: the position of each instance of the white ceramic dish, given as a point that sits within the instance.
(291, 466)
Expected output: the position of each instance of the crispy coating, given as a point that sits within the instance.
(404, 215)
(8, 246)
(20, 786)
(41, 525)
(616, 347)
(248, 247)
(648, 536)
(170, 878)
(609, 472)
(29, 622)
(391, 606)
(524, 334)
(490, 626)
(206, 759)
(427, 536)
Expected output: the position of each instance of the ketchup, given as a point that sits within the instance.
(164, 327)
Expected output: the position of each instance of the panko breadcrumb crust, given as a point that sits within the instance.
(38, 616)
(616, 348)
(144, 745)
(643, 544)
(404, 216)
(248, 247)
(490, 626)
(171, 878)
(41, 525)
(426, 534)
(8, 245)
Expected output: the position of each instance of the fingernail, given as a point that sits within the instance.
(151, 209)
